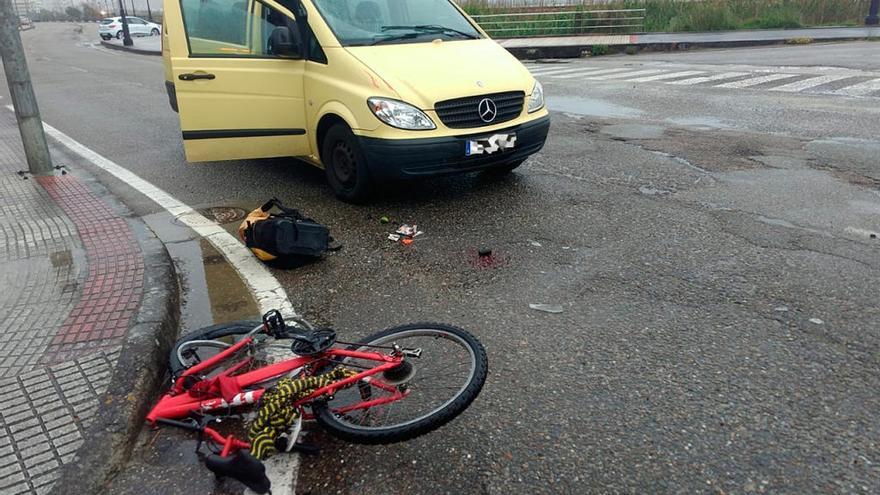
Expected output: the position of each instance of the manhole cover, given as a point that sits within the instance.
(223, 214)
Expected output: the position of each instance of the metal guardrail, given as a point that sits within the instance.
(560, 23)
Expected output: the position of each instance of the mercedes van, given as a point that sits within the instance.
(369, 90)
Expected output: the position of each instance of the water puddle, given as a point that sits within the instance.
(703, 122)
(589, 106)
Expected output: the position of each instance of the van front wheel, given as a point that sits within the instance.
(345, 164)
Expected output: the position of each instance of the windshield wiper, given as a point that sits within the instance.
(396, 38)
(433, 28)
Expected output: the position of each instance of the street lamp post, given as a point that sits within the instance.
(149, 12)
(126, 35)
(21, 91)
(873, 19)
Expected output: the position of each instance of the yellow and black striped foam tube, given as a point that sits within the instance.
(276, 413)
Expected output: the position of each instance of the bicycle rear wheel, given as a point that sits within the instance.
(441, 384)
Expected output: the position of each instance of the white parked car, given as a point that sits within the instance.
(111, 27)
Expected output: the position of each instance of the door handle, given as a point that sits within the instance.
(195, 75)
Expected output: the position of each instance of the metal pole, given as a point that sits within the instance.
(133, 12)
(149, 12)
(873, 19)
(126, 36)
(22, 92)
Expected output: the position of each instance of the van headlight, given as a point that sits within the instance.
(399, 114)
(536, 102)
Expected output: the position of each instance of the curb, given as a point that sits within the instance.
(135, 379)
(578, 51)
(139, 51)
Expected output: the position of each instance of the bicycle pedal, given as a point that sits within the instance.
(287, 440)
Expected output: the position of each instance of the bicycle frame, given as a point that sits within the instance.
(179, 403)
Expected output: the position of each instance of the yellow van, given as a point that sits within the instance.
(369, 90)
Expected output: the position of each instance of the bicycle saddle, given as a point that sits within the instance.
(243, 467)
(313, 342)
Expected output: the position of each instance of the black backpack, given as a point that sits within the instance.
(288, 236)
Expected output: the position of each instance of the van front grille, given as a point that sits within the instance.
(473, 111)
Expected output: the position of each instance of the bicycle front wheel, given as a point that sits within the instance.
(440, 385)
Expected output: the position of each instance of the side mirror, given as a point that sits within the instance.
(281, 43)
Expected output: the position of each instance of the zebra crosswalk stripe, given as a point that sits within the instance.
(860, 89)
(754, 81)
(808, 83)
(716, 77)
(669, 75)
(593, 73)
(565, 71)
(624, 75)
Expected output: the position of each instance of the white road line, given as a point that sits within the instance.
(593, 73)
(671, 75)
(860, 89)
(754, 81)
(548, 72)
(808, 83)
(625, 75)
(269, 294)
(716, 77)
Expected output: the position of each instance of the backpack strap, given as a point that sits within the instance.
(286, 212)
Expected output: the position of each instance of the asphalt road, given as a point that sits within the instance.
(711, 248)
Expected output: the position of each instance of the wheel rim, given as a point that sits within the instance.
(443, 372)
(154, 32)
(195, 351)
(344, 164)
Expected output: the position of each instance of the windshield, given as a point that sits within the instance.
(370, 22)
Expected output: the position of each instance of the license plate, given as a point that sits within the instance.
(491, 144)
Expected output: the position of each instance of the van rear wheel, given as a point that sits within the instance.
(345, 164)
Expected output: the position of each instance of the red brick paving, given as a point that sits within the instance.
(114, 285)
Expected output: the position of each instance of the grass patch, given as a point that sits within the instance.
(598, 50)
(671, 15)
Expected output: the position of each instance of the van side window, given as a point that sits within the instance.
(231, 28)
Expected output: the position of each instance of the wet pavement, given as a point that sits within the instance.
(711, 250)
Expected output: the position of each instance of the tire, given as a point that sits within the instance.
(120, 35)
(214, 332)
(505, 168)
(154, 32)
(421, 425)
(345, 164)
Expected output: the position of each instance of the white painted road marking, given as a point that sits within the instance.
(754, 81)
(715, 77)
(860, 89)
(265, 288)
(808, 83)
(625, 74)
(593, 73)
(670, 75)
(557, 72)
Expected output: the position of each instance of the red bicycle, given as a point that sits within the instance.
(389, 387)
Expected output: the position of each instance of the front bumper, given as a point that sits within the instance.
(391, 159)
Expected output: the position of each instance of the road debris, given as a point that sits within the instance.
(384, 219)
(817, 321)
(547, 308)
(534, 243)
(405, 234)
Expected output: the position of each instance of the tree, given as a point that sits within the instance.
(73, 13)
(90, 13)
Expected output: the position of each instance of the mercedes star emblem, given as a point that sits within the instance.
(487, 110)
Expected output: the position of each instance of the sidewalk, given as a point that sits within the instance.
(86, 296)
(143, 45)
(573, 46)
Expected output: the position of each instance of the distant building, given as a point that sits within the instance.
(27, 7)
